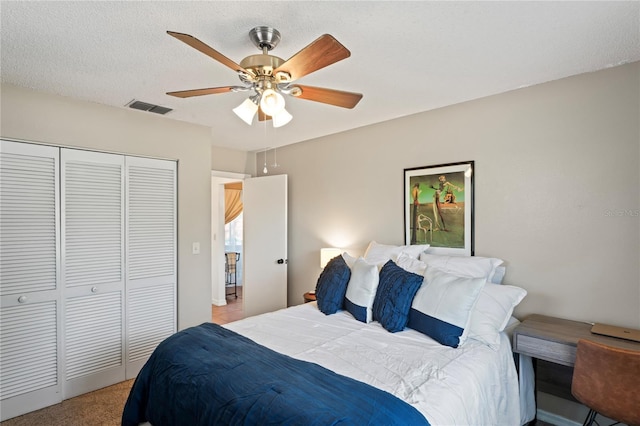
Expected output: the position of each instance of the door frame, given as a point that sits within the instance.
(218, 179)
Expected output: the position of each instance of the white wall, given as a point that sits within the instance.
(55, 120)
(555, 166)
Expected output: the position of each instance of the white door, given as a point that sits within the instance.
(93, 237)
(30, 368)
(265, 244)
(151, 257)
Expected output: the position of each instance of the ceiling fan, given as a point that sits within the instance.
(269, 77)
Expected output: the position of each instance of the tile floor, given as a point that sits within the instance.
(232, 311)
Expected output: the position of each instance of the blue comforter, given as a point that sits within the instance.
(208, 375)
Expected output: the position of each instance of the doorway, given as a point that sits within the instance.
(225, 238)
(264, 242)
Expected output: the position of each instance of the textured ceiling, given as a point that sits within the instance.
(406, 57)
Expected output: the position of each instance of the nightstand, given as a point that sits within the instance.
(310, 296)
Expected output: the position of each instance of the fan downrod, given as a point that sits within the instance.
(263, 37)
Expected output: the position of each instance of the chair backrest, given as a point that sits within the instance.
(607, 380)
(231, 258)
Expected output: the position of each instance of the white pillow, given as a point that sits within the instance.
(361, 290)
(493, 311)
(442, 307)
(498, 276)
(464, 266)
(410, 264)
(348, 259)
(382, 253)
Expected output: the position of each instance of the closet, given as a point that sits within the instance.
(87, 270)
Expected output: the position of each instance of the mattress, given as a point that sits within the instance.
(470, 385)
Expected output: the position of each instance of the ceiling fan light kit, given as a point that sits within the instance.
(246, 110)
(271, 102)
(270, 77)
(282, 118)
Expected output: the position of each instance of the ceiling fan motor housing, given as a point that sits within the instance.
(261, 64)
(266, 39)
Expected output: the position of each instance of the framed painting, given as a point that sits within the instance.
(438, 207)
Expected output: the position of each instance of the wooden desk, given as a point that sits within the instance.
(552, 344)
(555, 340)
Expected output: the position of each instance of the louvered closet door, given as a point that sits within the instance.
(151, 257)
(29, 266)
(92, 270)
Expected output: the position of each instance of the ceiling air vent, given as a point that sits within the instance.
(144, 106)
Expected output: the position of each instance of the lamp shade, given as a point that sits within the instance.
(246, 110)
(271, 102)
(326, 254)
(281, 118)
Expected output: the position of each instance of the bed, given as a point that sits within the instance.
(333, 369)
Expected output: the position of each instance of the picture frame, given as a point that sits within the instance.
(438, 207)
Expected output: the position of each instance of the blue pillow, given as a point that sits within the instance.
(332, 286)
(395, 293)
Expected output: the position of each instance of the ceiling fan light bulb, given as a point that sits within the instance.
(271, 102)
(281, 118)
(246, 111)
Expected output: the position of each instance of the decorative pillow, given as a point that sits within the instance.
(349, 259)
(361, 290)
(332, 286)
(442, 307)
(464, 266)
(498, 275)
(395, 293)
(493, 311)
(411, 264)
(381, 253)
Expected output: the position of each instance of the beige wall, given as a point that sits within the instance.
(231, 160)
(55, 120)
(555, 166)
(557, 193)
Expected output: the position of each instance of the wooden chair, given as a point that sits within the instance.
(607, 380)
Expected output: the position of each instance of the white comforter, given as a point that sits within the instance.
(472, 385)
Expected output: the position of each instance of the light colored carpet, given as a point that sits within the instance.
(102, 407)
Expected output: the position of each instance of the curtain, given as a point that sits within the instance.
(232, 201)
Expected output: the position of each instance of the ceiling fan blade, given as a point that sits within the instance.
(200, 92)
(329, 96)
(324, 51)
(207, 50)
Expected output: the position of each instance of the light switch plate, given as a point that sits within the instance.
(195, 248)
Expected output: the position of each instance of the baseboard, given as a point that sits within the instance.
(217, 302)
(555, 419)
